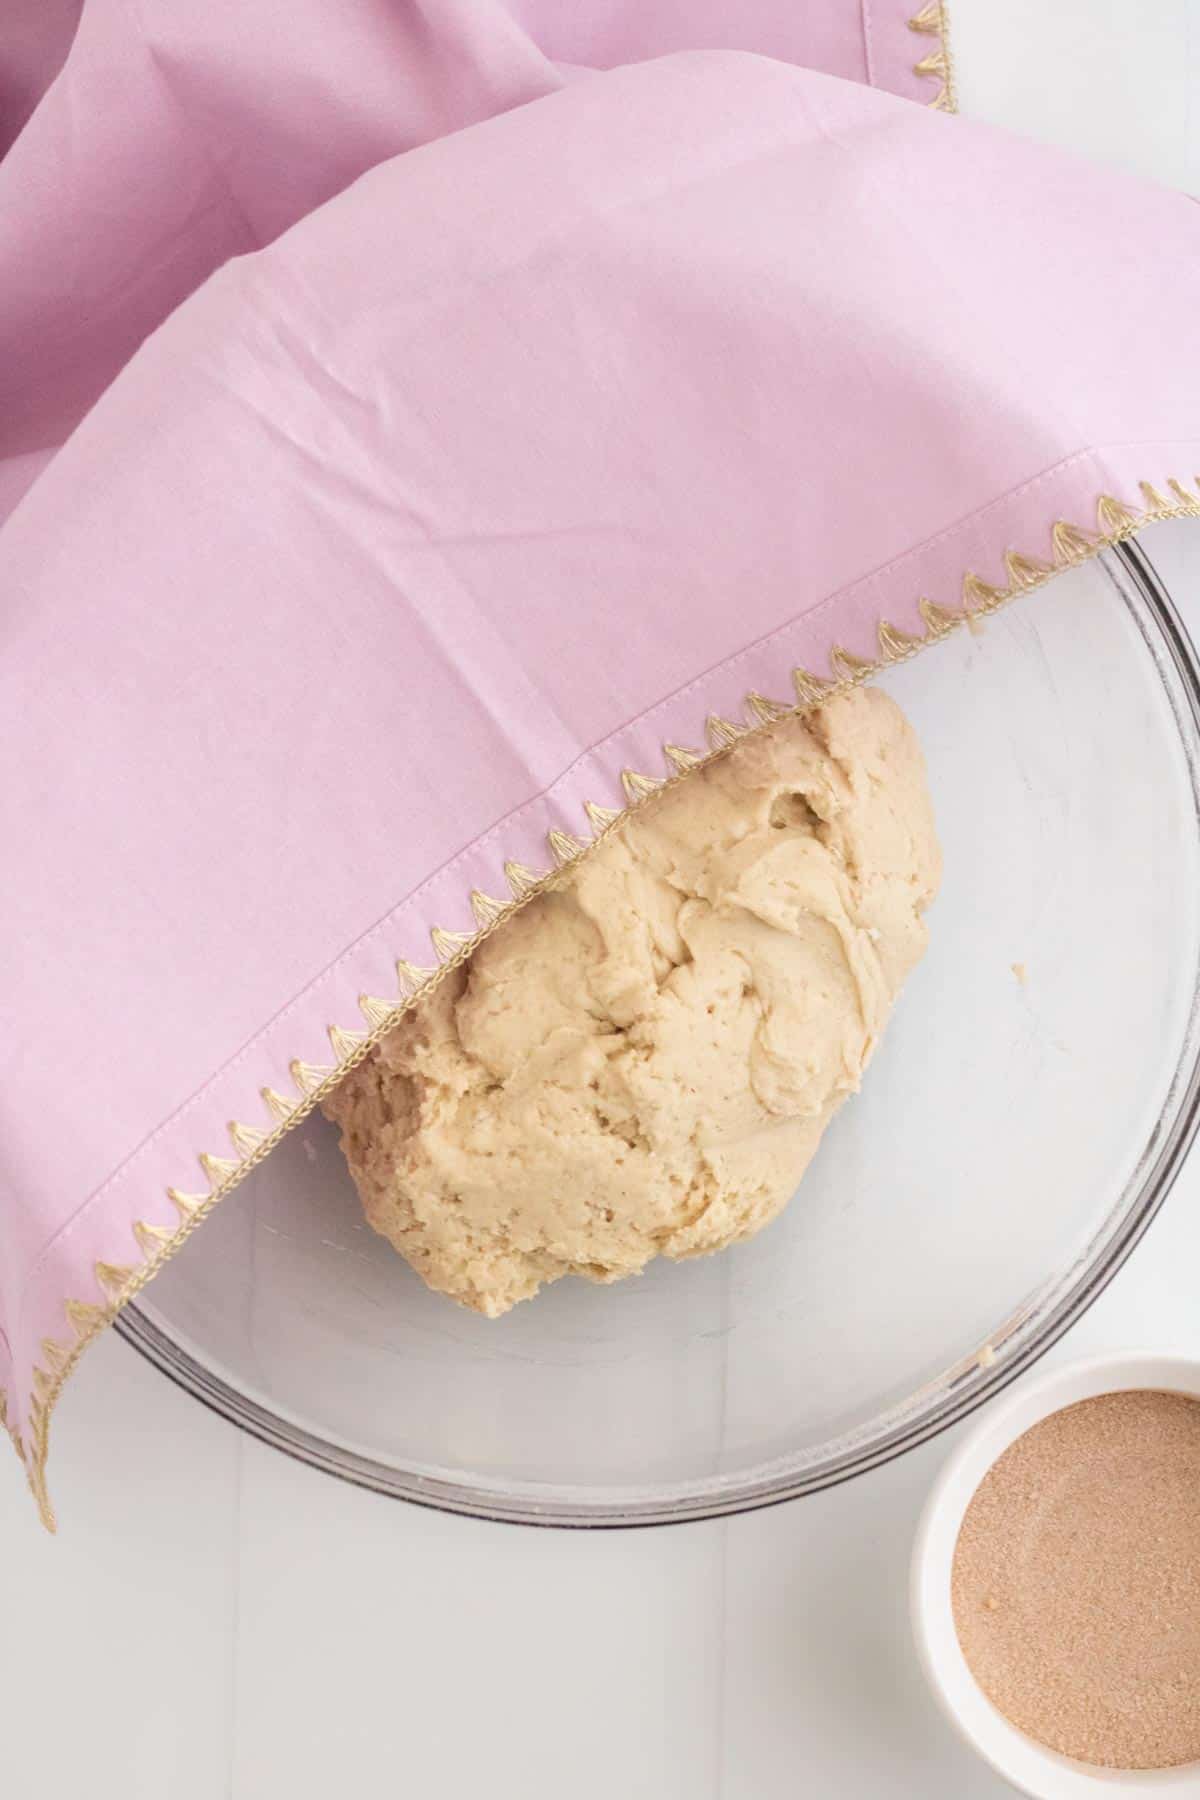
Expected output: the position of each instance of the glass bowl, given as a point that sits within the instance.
(1021, 1124)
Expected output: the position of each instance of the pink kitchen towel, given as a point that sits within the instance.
(501, 484)
(181, 133)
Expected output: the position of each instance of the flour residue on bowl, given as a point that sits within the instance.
(1076, 1581)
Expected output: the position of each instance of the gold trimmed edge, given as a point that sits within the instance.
(118, 1284)
(937, 64)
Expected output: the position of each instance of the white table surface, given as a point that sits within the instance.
(215, 1622)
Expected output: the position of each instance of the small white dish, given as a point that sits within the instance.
(1029, 1766)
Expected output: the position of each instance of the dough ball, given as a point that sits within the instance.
(643, 1061)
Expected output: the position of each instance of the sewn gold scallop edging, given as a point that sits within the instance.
(118, 1284)
(13, 1434)
(937, 64)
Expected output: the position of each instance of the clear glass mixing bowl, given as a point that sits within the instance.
(1019, 1127)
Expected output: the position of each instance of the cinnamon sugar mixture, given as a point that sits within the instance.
(1076, 1581)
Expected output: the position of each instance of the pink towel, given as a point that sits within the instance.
(476, 463)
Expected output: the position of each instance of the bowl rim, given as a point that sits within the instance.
(976, 1379)
(1032, 1768)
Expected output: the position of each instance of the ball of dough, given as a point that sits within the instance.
(642, 1062)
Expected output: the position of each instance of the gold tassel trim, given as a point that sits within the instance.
(849, 669)
(564, 848)
(484, 909)
(308, 1077)
(343, 1043)
(119, 1285)
(278, 1105)
(521, 881)
(377, 1013)
(928, 20)
(244, 1138)
(978, 596)
(448, 943)
(895, 645)
(638, 787)
(218, 1169)
(721, 733)
(601, 817)
(187, 1205)
(151, 1238)
(936, 65)
(810, 689)
(1071, 545)
(1026, 572)
(938, 619)
(764, 711)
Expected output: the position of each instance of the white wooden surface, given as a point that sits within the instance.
(215, 1622)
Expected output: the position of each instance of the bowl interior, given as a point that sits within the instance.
(1013, 1135)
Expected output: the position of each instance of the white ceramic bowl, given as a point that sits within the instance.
(1029, 1766)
